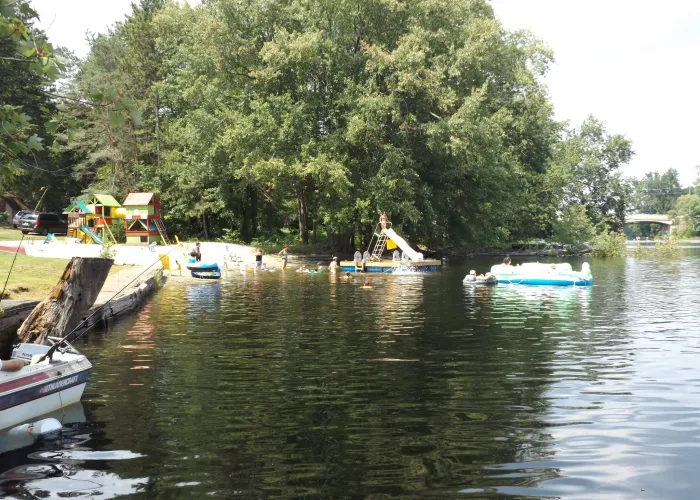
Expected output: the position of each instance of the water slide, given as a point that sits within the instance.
(401, 243)
(92, 235)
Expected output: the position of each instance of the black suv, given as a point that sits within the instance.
(43, 223)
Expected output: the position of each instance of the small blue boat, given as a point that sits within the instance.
(205, 271)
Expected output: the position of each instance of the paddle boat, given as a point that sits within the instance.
(205, 271)
(534, 273)
(42, 386)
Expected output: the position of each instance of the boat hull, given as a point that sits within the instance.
(207, 275)
(41, 388)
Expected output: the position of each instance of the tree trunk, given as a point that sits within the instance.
(204, 226)
(244, 227)
(71, 298)
(270, 220)
(253, 210)
(303, 219)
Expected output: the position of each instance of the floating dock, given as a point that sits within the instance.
(385, 266)
(386, 238)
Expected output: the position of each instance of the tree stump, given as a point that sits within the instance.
(71, 298)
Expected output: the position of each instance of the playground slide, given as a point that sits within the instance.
(92, 235)
(401, 243)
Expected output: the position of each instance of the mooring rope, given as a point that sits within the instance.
(85, 320)
(2, 295)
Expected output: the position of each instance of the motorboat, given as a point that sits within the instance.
(535, 273)
(42, 386)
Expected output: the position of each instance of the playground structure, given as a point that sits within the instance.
(143, 221)
(385, 238)
(91, 221)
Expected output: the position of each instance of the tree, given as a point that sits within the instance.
(585, 166)
(656, 193)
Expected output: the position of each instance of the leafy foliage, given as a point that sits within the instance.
(609, 244)
(574, 227)
(260, 120)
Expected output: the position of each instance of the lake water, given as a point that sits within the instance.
(287, 385)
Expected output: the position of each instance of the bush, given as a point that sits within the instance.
(118, 230)
(609, 244)
(574, 227)
(108, 252)
(4, 217)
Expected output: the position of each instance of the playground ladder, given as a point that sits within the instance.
(161, 229)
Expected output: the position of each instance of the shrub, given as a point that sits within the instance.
(609, 244)
(118, 230)
(108, 252)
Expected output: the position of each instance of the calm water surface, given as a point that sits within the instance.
(282, 385)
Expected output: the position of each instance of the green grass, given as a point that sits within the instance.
(32, 278)
(8, 233)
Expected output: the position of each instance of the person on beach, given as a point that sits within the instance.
(258, 257)
(284, 255)
(333, 265)
(13, 365)
(197, 252)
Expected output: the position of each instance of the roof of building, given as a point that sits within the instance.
(79, 204)
(14, 201)
(105, 200)
(139, 199)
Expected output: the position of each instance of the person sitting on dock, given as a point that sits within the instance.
(12, 365)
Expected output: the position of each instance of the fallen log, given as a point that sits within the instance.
(71, 298)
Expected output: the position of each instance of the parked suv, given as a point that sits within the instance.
(43, 223)
(18, 216)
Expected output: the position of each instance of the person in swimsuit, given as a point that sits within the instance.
(258, 257)
(284, 255)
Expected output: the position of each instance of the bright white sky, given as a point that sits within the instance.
(631, 63)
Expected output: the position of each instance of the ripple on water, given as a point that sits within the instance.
(291, 385)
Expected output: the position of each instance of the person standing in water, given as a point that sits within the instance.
(285, 256)
(333, 265)
(506, 260)
(258, 258)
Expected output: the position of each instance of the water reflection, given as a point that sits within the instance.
(288, 385)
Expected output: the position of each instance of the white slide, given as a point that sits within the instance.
(401, 243)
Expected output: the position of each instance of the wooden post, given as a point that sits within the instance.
(71, 298)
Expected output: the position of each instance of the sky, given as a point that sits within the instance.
(632, 64)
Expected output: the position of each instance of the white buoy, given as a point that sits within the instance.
(38, 428)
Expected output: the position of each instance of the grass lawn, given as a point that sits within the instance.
(8, 233)
(33, 277)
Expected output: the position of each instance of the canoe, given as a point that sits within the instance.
(543, 274)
